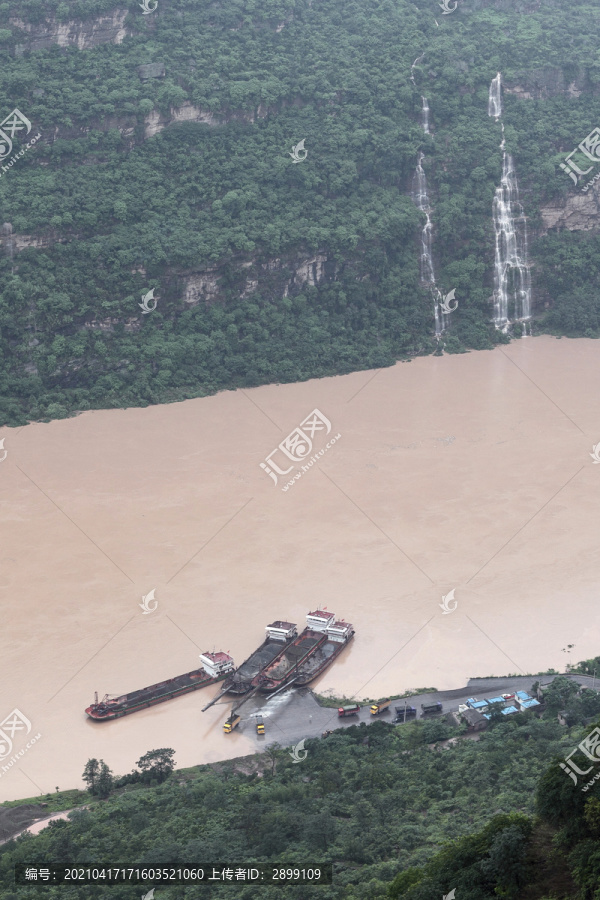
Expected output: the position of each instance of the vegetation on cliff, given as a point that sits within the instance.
(123, 210)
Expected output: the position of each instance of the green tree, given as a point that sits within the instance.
(157, 764)
(104, 783)
(90, 774)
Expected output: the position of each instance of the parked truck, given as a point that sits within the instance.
(348, 710)
(260, 725)
(378, 708)
(232, 722)
(431, 708)
(405, 712)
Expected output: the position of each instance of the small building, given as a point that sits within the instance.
(496, 700)
(474, 720)
(529, 704)
(509, 710)
(562, 717)
(480, 705)
(471, 701)
(522, 695)
(541, 689)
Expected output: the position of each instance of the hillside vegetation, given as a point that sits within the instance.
(398, 814)
(117, 210)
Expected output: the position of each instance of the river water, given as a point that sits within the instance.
(469, 473)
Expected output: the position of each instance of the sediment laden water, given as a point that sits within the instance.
(512, 277)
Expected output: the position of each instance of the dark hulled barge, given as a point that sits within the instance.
(215, 667)
(309, 654)
(338, 635)
(242, 680)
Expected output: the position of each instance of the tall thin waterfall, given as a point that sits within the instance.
(512, 278)
(422, 201)
(495, 97)
(418, 59)
(425, 115)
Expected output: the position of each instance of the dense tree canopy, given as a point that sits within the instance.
(120, 211)
(397, 815)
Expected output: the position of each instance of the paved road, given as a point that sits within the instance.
(295, 714)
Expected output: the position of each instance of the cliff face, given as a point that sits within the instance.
(108, 29)
(187, 112)
(579, 212)
(276, 277)
(549, 81)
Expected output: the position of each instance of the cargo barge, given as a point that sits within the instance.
(241, 681)
(215, 667)
(308, 655)
(338, 635)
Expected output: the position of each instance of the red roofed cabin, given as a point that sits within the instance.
(216, 663)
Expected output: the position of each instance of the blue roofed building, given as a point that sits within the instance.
(496, 700)
(528, 704)
(509, 710)
(479, 704)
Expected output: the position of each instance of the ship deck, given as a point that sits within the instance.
(319, 657)
(258, 661)
(290, 658)
(163, 687)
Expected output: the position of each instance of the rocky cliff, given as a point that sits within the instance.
(81, 34)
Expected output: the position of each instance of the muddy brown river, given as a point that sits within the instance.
(468, 477)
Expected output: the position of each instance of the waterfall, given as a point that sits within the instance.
(512, 278)
(495, 97)
(418, 59)
(422, 202)
(425, 115)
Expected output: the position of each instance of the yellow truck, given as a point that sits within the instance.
(260, 725)
(378, 708)
(232, 722)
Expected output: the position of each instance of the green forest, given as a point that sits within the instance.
(397, 810)
(119, 213)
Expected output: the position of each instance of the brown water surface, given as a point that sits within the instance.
(469, 472)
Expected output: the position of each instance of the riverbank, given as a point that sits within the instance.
(467, 475)
(295, 715)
